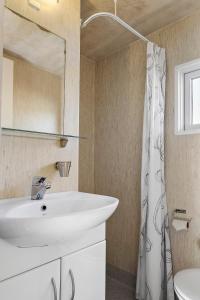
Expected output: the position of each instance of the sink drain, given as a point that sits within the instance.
(43, 207)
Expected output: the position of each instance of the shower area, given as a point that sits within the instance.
(129, 119)
(112, 102)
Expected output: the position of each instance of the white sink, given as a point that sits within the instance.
(57, 218)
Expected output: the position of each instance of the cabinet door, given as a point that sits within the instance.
(42, 283)
(83, 274)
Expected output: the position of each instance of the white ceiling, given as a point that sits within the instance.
(103, 36)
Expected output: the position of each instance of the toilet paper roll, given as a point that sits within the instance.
(180, 224)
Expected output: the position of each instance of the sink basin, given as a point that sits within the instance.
(57, 218)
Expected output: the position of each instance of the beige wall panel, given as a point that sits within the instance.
(87, 106)
(22, 158)
(120, 81)
(182, 152)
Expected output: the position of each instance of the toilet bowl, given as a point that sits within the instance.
(187, 284)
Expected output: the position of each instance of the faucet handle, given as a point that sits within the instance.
(39, 187)
(38, 180)
(41, 181)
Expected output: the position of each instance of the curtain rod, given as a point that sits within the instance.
(117, 19)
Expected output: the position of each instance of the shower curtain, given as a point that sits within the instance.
(154, 278)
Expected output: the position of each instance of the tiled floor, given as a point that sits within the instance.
(118, 291)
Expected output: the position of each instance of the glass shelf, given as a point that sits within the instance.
(45, 135)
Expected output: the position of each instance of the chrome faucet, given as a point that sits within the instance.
(39, 187)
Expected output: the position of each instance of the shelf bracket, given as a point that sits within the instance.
(63, 142)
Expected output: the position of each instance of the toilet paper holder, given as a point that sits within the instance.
(181, 214)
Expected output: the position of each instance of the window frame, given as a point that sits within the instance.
(184, 74)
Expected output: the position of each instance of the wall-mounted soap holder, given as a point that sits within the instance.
(63, 167)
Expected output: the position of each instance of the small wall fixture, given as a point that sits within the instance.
(36, 4)
(49, 1)
(181, 221)
(63, 167)
(63, 142)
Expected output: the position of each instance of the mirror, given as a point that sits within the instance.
(33, 76)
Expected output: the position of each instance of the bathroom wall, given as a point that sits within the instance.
(21, 158)
(120, 81)
(87, 112)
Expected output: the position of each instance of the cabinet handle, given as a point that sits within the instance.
(73, 284)
(54, 288)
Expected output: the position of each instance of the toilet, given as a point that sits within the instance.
(187, 284)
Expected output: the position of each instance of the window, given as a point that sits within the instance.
(187, 108)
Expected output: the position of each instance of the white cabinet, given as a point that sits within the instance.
(42, 283)
(80, 275)
(83, 274)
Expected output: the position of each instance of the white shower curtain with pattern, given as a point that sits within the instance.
(154, 278)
